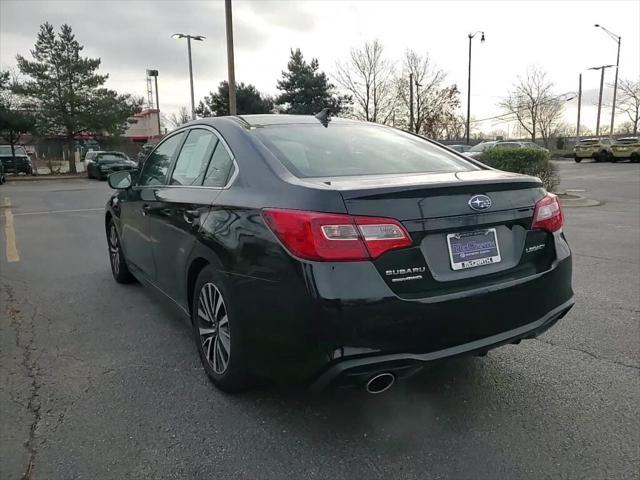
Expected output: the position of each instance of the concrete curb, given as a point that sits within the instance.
(38, 178)
(573, 200)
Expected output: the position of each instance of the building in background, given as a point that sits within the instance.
(145, 128)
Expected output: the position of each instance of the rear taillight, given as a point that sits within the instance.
(335, 236)
(548, 214)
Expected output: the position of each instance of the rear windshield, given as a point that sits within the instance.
(343, 150)
(481, 147)
(112, 157)
(6, 150)
(588, 142)
(627, 141)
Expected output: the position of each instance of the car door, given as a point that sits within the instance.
(182, 204)
(140, 200)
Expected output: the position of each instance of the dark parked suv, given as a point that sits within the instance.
(335, 251)
(18, 163)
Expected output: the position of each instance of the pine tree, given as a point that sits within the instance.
(248, 100)
(67, 93)
(305, 90)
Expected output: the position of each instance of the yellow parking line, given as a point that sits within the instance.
(10, 233)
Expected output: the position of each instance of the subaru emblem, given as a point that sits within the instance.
(479, 202)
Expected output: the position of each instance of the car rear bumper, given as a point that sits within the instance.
(624, 154)
(585, 153)
(358, 370)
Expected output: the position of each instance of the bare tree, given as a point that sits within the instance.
(630, 101)
(550, 114)
(434, 103)
(175, 120)
(368, 77)
(528, 99)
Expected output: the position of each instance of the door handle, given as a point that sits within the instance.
(167, 211)
(190, 215)
(145, 209)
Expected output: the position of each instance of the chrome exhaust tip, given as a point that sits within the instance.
(380, 383)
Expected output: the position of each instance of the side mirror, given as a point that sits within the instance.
(120, 180)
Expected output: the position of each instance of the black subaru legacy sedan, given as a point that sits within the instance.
(336, 252)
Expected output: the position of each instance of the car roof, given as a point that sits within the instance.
(263, 120)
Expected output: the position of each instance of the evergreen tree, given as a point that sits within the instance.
(14, 121)
(248, 100)
(67, 93)
(305, 90)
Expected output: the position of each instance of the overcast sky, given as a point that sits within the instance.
(131, 36)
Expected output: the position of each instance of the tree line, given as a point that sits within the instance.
(60, 92)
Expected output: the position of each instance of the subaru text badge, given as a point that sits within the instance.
(479, 202)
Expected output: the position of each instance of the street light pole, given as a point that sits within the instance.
(193, 103)
(230, 59)
(471, 35)
(602, 68)
(579, 106)
(189, 38)
(618, 38)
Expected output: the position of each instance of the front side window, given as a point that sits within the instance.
(194, 157)
(156, 167)
(220, 168)
(343, 150)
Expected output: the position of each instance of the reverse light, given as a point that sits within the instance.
(335, 236)
(547, 214)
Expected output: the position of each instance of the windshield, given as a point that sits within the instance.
(626, 141)
(6, 150)
(112, 157)
(508, 145)
(481, 147)
(588, 142)
(342, 150)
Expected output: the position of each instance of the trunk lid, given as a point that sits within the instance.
(436, 211)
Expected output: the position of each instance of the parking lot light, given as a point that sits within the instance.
(178, 36)
(618, 39)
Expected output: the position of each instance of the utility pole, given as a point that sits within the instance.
(230, 60)
(602, 69)
(579, 106)
(411, 102)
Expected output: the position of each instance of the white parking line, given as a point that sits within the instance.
(10, 233)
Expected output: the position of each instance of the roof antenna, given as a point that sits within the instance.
(324, 117)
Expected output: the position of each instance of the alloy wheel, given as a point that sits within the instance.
(213, 326)
(114, 249)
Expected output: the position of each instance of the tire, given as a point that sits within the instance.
(217, 331)
(577, 159)
(89, 173)
(635, 158)
(119, 269)
(2, 179)
(603, 156)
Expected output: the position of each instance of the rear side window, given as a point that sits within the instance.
(341, 150)
(220, 168)
(154, 171)
(194, 157)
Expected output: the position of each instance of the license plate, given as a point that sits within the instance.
(473, 249)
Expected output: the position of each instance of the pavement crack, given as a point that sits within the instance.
(588, 353)
(24, 338)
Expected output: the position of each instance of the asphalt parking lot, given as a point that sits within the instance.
(100, 380)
